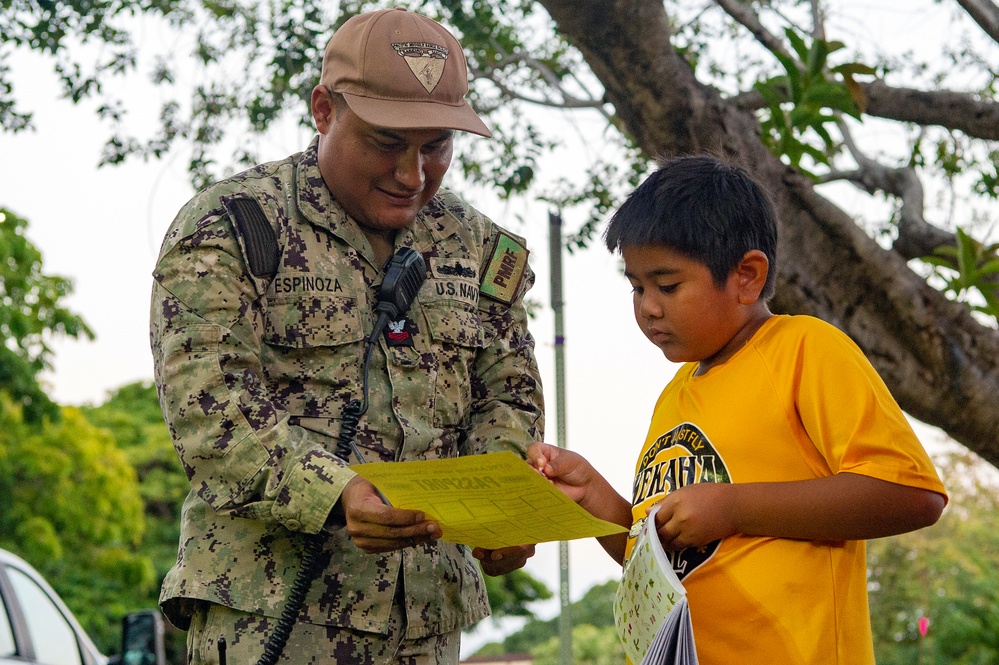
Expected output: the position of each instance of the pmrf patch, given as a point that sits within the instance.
(505, 269)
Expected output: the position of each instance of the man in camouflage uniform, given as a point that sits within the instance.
(264, 294)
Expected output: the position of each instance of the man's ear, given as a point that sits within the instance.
(323, 108)
(751, 276)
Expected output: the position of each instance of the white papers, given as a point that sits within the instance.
(673, 643)
(650, 608)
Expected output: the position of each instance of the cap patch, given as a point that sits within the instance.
(425, 60)
(505, 269)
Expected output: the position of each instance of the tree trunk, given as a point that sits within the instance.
(940, 364)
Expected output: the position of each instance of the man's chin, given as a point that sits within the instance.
(394, 220)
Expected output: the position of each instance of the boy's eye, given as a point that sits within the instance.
(669, 288)
(635, 288)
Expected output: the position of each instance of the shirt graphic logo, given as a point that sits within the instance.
(425, 60)
(683, 456)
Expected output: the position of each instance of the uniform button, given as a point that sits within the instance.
(294, 525)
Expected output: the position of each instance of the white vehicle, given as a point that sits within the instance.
(36, 627)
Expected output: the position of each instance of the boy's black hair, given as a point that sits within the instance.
(707, 210)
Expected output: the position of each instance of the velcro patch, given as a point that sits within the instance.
(505, 269)
(445, 268)
(400, 333)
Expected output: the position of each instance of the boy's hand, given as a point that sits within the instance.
(504, 560)
(376, 527)
(579, 481)
(567, 470)
(695, 515)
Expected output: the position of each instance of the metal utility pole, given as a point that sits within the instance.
(555, 257)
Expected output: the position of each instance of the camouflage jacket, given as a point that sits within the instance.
(254, 371)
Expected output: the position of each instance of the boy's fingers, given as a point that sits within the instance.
(538, 456)
(667, 534)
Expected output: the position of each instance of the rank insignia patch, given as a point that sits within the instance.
(400, 333)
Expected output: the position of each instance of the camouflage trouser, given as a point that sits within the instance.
(309, 644)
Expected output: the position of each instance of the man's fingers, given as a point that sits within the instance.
(377, 527)
(516, 551)
(503, 560)
(394, 531)
(374, 538)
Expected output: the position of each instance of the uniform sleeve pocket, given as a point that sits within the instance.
(217, 446)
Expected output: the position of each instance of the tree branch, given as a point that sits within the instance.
(978, 118)
(986, 15)
(491, 73)
(743, 14)
(916, 237)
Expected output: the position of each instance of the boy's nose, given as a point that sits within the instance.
(649, 308)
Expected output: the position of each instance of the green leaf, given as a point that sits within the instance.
(966, 258)
(815, 64)
(853, 68)
(938, 261)
(989, 268)
(797, 43)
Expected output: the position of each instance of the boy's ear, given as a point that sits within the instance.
(751, 276)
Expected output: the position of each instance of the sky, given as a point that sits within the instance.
(102, 229)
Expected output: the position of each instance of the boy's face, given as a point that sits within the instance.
(681, 310)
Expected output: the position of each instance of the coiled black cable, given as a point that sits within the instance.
(350, 417)
(405, 273)
(296, 598)
(351, 414)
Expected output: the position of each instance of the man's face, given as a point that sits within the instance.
(382, 177)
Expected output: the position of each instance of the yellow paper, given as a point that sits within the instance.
(490, 501)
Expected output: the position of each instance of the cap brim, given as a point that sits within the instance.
(395, 114)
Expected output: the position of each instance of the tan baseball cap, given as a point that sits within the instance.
(400, 70)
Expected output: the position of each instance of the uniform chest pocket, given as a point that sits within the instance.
(311, 352)
(456, 338)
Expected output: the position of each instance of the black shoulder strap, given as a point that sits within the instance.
(258, 235)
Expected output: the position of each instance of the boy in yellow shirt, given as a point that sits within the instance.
(774, 451)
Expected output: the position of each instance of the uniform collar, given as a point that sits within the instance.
(434, 223)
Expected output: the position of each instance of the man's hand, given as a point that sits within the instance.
(504, 560)
(376, 527)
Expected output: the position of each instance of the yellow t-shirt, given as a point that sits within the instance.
(798, 401)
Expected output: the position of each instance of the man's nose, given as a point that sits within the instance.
(409, 170)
